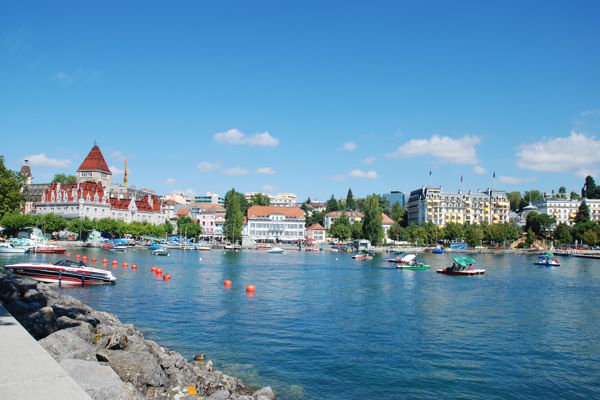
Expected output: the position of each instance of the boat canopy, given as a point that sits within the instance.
(460, 261)
(409, 257)
(469, 260)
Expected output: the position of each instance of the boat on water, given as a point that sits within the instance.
(203, 247)
(49, 249)
(155, 246)
(464, 266)
(9, 248)
(160, 252)
(409, 262)
(65, 272)
(548, 260)
(438, 250)
(119, 248)
(276, 250)
(364, 255)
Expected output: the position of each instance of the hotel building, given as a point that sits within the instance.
(285, 224)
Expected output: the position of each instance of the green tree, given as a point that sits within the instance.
(454, 232)
(590, 237)
(11, 190)
(384, 204)
(562, 190)
(341, 228)
(398, 213)
(515, 200)
(589, 190)
(397, 232)
(53, 223)
(234, 219)
(15, 221)
(562, 234)
(473, 235)
(583, 213)
(332, 205)
(260, 199)
(356, 229)
(186, 226)
(531, 237)
(541, 224)
(530, 196)
(64, 179)
(432, 233)
(350, 203)
(244, 205)
(575, 196)
(372, 228)
(416, 234)
(315, 218)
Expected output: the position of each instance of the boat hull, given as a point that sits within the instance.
(64, 276)
(13, 251)
(545, 264)
(471, 272)
(50, 251)
(413, 268)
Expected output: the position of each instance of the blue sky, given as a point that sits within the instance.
(304, 97)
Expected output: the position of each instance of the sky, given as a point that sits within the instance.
(306, 97)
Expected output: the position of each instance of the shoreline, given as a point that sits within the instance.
(109, 359)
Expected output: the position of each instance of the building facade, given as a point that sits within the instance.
(210, 198)
(278, 200)
(270, 223)
(565, 211)
(395, 197)
(432, 204)
(94, 169)
(316, 232)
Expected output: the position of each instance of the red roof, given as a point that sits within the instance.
(315, 227)
(349, 214)
(25, 170)
(119, 204)
(387, 220)
(266, 211)
(94, 161)
(142, 205)
(183, 212)
(81, 190)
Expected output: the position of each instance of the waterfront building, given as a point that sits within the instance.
(271, 223)
(78, 200)
(395, 197)
(278, 200)
(210, 198)
(432, 204)
(565, 211)
(94, 169)
(33, 191)
(211, 218)
(129, 209)
(316, 232)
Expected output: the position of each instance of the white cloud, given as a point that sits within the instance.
(64, 78)
(369, 160)
(357, 173)
(41, 160)
(265, 171)
(236, 137)
(575, 153)
(590, 113)
(513, 180)
(205, 166)
(236, 171)
(349, 146)
(116, 171)
(170, 181)
(268, 188)
(479, 170)
(443, 148)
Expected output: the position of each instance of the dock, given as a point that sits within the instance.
(27, 371)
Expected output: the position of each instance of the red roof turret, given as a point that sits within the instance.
(94, 161)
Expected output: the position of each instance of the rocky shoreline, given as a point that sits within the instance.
(112, 360)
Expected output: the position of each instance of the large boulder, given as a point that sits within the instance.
(221, 394)
(8, 290)
(67, 306)
(64, 345)
(100, 381)
(265, 393)
(41, 323)
(137, 367)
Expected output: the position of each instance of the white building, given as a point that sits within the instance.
(210, 198)
(565, 211)
(432, 204)
(316, 232)
(177, 198)
(80, 200)
(278, 200)
(285, 224)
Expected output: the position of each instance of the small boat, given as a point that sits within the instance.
(464, 266)
(49, 249)
(276, 250)
(409, 262)
(9, 248)
(155, 246)
(415, 267)
(120, 248)
(363, 255)
(407, 259)
(548, 260)
(160, 252)
(438, 250)
(203, 247)
(64, 272)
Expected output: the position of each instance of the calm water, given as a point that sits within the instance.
(324, 326)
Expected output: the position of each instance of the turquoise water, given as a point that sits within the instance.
(324, 326)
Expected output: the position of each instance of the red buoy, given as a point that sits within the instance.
(115, 262)
(134, 266)
(250, 289)
(227, 283)
(125, 265)
(84, 258)
(78, 256)
(69, 254)
(167, 277)
(104, 261)
(158, 271)
(153, 269)
(93, 259)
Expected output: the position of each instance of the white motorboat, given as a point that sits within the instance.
(276, 250)
(120, 248)
(8, 248)
(64, 272)
(160, 252)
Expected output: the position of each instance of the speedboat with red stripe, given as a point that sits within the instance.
(65, 272)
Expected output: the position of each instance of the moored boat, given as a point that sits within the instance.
(548, 260)
(119, 248)
(276, 250)
(464, 266)
(160, 252)
(65, 272)
(50, 249)
(9, 248)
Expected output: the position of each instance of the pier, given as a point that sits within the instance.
(27, 371)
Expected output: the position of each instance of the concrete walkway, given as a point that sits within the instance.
(27, 371)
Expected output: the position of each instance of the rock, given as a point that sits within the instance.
(137, 367)
(209, 382)
(21, 309)
(99, 381)
(241, 397)
(101, 355)
(219, 395)
(24, 283)
(265, 393)
(8, 290)
(41, 323)
(209, 366)
(69, 307)
(64, 345)
(78, 328)
(34, 296)
(233, 384)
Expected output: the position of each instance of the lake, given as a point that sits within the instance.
(325, 326)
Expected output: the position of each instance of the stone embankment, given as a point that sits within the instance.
(112, 360)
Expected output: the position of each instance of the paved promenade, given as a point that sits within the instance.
(27, 371)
